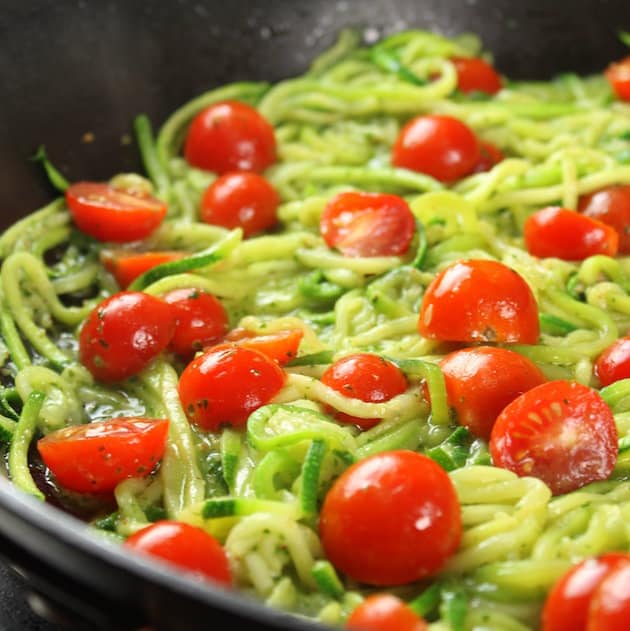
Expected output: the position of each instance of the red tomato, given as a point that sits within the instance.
(479, 301)
(127, 266)
(366, 377)
(618, 75)
(281, 346)
(476, 75)
(560, 432)
(226, 384)
(614, 363)
(440, 146)
(200, 317)
(481, 381)
(567, 606)
(188, 547)
(391, 518)
(124, 333)
(368, 224)
(230, 136)
(96, 457)
(489, 156)
(109, 214)
(385, 612)
(611, 206)
(610, 606)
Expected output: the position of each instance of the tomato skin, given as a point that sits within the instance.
(226, 384)
(479, 301)
(367, 224)
(110, 214)
(489, 156)
(127, 266)
(367, 377)
(96, 457)
(610, 606)
(618, 75)
(390, 519)
(201, 320)
(123, 334)
(611, 206)
(385, 612)
(614, 363)
(281, 346)
(481, 381)
(568, 235)
(240, 200)
(476, 75)
(560, 432)
(187, 547)
(230, 136)
(440, 146)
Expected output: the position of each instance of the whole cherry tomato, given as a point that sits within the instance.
(618, 75)
(610, 605)
(561, 432)
(476, 75)
(479, 301)
(124, 333)
(127, 266)
(391, 518)
(96, 457)
(614, 363)
(385, 612)
(281, 346)
(611, 206)
(489, 156)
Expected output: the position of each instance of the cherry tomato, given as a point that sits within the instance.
(568, 235)
(110, 214)
(476, 75)
(226, 384)
(127, 266)
(391, 518)
(96, 457)
(440, 146)
(385, 612)
(187, 547)
(481, 381)
(489, 156)
(479, 301)
(567, 606)
(611, 206)
(618, 75)
(366, 377)
(124, 333)
(560, 432)
(230, 136)
(610, 605)
(368, 224)
(281, 346)
(614, 363)
(200, 317)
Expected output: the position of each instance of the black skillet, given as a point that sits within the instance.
(73, 75)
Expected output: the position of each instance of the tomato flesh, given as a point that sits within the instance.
(618, 75)
(610, 606)
(611, 206)
(127, 266)
(614, 363)
(281, 346)
(476, 75)
(385, 612)
(489, 156)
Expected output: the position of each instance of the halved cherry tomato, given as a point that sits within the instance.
(481, 381)
(479, 301)
(614, 363)
(567, 606)
(230, 136)
(561, 432)
(391, 518)
(124, 333)
(109, 214)
(618, 75)
(385, 612)
(440, 146)
(96, 457)
(366, 377)
(489, 156)
(200, 317)
(476, 75)
(610, 605)
(568, 235)
(611, 206)
(368, 224)
(240, 200)
(187, 547)
(226, 384)
(127, 266)
(281, 346)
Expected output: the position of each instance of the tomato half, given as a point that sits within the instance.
(611, 206)
(489, 156)
(391, 519)
(618, 75)
(614, 363)
(230, 136)
(568, 235)
(385, 612)
(476, 75)
(187, 547)
(479, 301)
(481, 381)
(96, 457)
(281, 346)
(368, 224)
(440, 146)
(127, 266)
(124, 333)
(610, 606)
(226, 384)
(200, 318)
(110, 214)
(561, 432)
